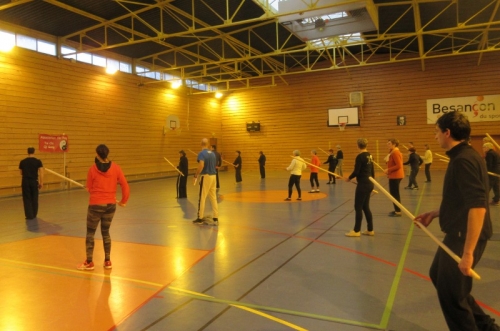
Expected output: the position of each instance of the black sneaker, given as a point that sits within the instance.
(198, 221)
(407, 187)
(395, 214)
(415, 188)
(328, 183)
(216, 221)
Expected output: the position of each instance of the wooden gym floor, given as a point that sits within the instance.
(269, 265)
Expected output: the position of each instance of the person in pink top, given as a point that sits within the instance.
(395, 172)
(313, 178)
(102, 180)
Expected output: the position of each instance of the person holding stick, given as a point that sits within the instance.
(237, 167)
(493, 166)
(102, 179)
(296, 167)
(31, 170)
(414, 160)
(208, 182)
(340, 160)
(182, 180)
(313, 178)
(332, 164)
(427, 163)
(363, 169)
(262, 165)
(465, 219)
(218, 164)
(395, 173)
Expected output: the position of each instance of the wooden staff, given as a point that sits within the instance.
(421, 226)
(331, 173)
(378, 165)
(404, 146)
(65, 178)
(493, 141)
(489, 173)
(324, 151)
(228, 162)
(192, 152)
(180, 172)
(444, 157)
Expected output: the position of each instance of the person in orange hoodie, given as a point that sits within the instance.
(313, 178)
(102, 180)
(395, 173)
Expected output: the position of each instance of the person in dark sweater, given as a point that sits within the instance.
(340, 160)
(237, 167)
(414, 160)
(465, 219)
(493, 165)
(182, 180)
(31, 170)
(363, 170)
(262, 164)
(332, 164)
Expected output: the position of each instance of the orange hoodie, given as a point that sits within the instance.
(102, 185)
(395, 165)
(315, 161)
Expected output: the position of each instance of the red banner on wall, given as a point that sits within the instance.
(53, 143)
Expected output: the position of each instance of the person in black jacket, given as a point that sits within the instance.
(363, 170)
(182, 180)
(465, 219)
(493, 165)
(332, 164)
(340, 160)
(31, 170)
(262, 164)
(414, 160)
(237, 167)
(218, 164)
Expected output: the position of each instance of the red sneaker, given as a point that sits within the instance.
(88, 266)
(107, 265)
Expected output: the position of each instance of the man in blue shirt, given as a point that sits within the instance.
(208, 182)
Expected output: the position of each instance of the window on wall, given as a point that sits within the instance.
(68, 50)
(98, 61)
(26, 42)
(84, 57)
(46, 47)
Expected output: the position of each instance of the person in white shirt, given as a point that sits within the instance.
(427, 163)
(296, 166)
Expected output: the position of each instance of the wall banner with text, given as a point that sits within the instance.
(483, 108)
(53, 143)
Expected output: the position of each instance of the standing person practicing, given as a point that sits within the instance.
(427, 163)
(493, 165)
(465, 219)
(414, 160)
(182, 180)
(31, 170)
(363, 170)
(218, 164)
(340, 160)
(208, 182)
(102, 180)
(296, 166)
(262, 165)
(332, 164)
(395, 173)
(313, 178)
(237, 167)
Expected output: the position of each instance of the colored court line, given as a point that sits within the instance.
(399, 272)
(189, 293)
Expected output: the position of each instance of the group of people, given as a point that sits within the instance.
(463, 214)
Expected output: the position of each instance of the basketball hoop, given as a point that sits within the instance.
(342, 126)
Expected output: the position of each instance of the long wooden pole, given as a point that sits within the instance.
(323, 151)
(493, 141)
(331, 173)
(65, 178)
(378, 165)
(421, 226)
(180, 172)
(489, 173)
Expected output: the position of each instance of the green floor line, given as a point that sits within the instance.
(272, 309)
(399, 271)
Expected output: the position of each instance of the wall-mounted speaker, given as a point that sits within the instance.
(356, 98)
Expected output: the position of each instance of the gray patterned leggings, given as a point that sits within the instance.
(96, 214)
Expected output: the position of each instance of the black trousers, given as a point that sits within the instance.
(313, 178)
(394, 191)
(459, 307)
(331, 178)
(30, 197)
(217, 178)
(495, 186)
(262, 171)
(362, 205)
(238, 175)
(294, 180)
(182, 186)
(413, 178)
(428, 172)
